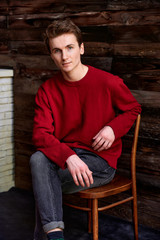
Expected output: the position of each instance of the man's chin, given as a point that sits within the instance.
(66, 69)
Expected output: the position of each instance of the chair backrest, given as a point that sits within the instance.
(134, 149)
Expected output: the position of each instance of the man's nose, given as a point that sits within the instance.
(64, 55)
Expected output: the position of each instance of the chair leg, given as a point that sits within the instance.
(90, 216)
(95, 218)
(135, 217)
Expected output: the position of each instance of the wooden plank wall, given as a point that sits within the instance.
(122, 37)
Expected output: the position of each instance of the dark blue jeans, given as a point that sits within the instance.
(49, 181)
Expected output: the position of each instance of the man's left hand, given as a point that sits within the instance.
(104, 139)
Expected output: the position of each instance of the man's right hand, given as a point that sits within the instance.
(79, 171)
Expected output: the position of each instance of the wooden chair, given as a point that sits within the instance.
(117, 185)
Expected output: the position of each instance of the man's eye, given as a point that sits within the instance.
(56, 50)
(70, 47)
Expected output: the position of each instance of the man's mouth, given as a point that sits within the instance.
(66, 63)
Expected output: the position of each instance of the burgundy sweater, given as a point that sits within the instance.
(70, 114)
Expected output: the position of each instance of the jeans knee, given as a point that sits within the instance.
(38, 161)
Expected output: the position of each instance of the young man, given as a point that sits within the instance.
(76, 131)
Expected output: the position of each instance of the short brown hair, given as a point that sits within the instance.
(59, 27)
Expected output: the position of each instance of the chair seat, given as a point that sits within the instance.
(117, 185)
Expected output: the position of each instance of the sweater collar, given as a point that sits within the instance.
(75, 83)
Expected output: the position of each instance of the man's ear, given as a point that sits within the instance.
(82, 48)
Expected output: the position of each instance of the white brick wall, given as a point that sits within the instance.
(6, 130)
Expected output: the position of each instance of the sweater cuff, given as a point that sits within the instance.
(65, 156)
(115, 127)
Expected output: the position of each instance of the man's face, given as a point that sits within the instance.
(66, 52)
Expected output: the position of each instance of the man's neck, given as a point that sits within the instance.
(76, 75)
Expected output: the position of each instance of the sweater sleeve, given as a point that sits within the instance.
(123, 100)
(43, 132)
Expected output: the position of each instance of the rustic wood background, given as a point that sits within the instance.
(122, 37)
